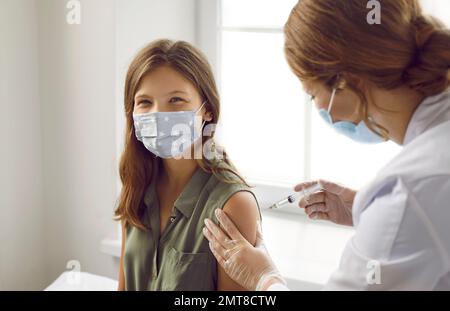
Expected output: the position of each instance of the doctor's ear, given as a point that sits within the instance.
(352, 80)
(339, 82)
(208, 115)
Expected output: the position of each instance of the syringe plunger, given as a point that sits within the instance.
(293, 197)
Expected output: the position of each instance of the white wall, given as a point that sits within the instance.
(21, 205)
(78, 96)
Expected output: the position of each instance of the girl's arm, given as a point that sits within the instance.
(242, 209)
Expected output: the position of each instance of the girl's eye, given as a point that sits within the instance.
(144, 102)
(312, 98)
(175, 99)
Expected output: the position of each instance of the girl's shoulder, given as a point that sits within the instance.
(225, 185)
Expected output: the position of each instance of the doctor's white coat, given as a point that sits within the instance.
(402, 218)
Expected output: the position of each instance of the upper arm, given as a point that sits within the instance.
(121, 273)
(243, 210)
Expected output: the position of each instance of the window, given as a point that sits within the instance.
(261, 98)
(438, 8)
(264, 101)
(271, 132)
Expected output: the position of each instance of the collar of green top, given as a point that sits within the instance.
(188, 197)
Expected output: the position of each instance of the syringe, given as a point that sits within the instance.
(293, 197)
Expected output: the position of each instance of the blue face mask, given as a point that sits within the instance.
(359, 133)
(167, 134)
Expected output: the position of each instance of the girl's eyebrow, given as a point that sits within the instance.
(141, 96)
(177, 91)
(170, 93)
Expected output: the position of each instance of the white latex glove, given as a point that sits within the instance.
(333, 203)
(249, 266)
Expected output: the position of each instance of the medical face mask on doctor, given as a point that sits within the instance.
(167, 134)
(359, 133)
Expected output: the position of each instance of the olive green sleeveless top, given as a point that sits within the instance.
(179, 258)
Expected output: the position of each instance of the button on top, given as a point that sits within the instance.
(172, 219)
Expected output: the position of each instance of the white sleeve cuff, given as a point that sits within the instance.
(277, 287)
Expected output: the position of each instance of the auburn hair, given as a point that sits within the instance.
(135, 167)
(326, 39)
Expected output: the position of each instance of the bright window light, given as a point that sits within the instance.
(262, 108)
(438, 8)
(271, 131)
(256, 13)
(339, 159)
(266, 124)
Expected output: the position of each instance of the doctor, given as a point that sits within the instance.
(372, 83)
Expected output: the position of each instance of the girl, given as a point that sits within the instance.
(167, 194)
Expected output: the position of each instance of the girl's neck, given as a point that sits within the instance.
(176, 173)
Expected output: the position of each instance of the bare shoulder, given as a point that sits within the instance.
(243, 210)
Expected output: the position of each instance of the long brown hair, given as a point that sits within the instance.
(326, 39)
(135, 166)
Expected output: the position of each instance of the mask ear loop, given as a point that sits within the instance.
(204, 121)
(200, 108)
(330, 105)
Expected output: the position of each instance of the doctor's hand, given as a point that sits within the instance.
(333, 202)
(249, 266)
